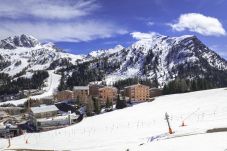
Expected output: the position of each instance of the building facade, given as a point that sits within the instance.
(137, 92)
(9, 130)
(94, 89)
(50, 117)
(44, 111)
(63, 95)
(155, 92)
(81, 93)
(107, 93)
(37, 113)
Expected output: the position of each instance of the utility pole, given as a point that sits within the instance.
(167, 119)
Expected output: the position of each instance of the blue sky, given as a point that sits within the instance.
(80, 26)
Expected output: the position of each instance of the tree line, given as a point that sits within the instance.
(11, 86)
(93, 104)
(182, 85)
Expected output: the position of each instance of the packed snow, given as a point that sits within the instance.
(142, 127)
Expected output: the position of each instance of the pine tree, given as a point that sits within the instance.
(121, 103)
(77, 100)
(109, 105)
(89, 107)
(183, 86)
(166, 89)
(62, 85)
(97, 106)
(194, 86)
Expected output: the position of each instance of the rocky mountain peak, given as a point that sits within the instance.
(19, 41)
(104, 52)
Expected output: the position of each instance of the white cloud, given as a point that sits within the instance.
(150, 23)
(204, 25)
(55, 20)
(46, 9)
(140, 35)
(70, 32)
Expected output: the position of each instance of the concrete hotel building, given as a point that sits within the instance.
(63, 95)
(81, 92)
(107, 92)
(137, 92)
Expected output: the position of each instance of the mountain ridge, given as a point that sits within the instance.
(27, 53)
(164, 53)
(19, 41)
(158, 58)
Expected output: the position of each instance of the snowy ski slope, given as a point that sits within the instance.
(51, 85)
(142, 127)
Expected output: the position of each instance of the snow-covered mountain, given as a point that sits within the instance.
(19, 41)
(103, 52)
(21, 55)
(159, 58)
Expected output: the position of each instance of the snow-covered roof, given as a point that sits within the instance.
(135, 85)
(47, 97)
(69, 91)
(108, 87)
(43, 109)
(80, 87)
(63, 117)
(7, 125)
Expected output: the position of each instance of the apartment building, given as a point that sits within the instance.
(63, 95)
(107, 93)
(94, 89)
(137, 92)
(44, 111)
(81, 93)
